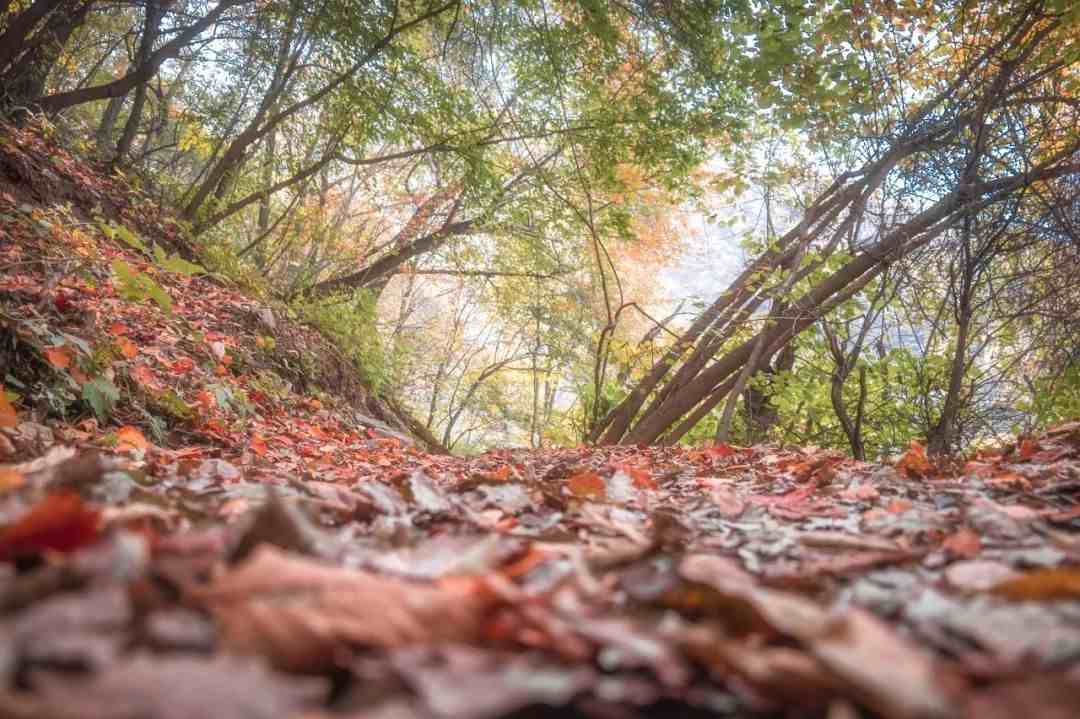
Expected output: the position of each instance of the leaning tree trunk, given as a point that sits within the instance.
(155, 10)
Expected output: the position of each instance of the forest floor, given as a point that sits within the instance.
(190, 527)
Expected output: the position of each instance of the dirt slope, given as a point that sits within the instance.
(222, 543)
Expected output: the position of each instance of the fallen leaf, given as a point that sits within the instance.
(303, 615)
(60, 522)
(1047, 696)
(964, 543)
(182, 365)
(899, 506)
(10, 479)
(914, 461)
(143, 375)
(887, 673)
(129, 437)
(59, 356)
(127, 347)
(8, 416)
(1041, 585)
(179, 688)
(978, 575)
(587, 485)
(727, 502)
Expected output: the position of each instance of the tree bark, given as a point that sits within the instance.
(155, 11)
(56, 103)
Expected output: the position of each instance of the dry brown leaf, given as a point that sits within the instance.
(964, 543)
(1041, 585)
(884, 672)
(304, 616)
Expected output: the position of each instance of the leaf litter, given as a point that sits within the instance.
(220, 539)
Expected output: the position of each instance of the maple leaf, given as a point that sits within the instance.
(60, 522)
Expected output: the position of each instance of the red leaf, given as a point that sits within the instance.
(60, 522)
(182, 365)
(1027, 449)
(720, 450)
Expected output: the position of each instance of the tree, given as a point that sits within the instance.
(949, 145)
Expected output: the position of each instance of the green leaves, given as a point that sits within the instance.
(176, 263)
(102, 395)
(138, 287)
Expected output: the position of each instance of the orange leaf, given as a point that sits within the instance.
(8, 416)
(60, 522)
(258, 445)
(964, 543)
(59, 356)
(587, 484)
(641, 478)
(10, 479)
(1042, 584)
(914, 461)
(131, 438)
(182, 365)
(127, 347)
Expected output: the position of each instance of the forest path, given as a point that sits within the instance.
(217, 531)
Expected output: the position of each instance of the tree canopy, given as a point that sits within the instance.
(481, 200)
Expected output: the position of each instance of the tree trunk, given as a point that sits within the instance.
(155, 10)
(25, 80)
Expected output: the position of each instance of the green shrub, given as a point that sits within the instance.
(348, 320)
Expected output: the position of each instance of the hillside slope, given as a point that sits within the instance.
(102, 313)
(193, 522)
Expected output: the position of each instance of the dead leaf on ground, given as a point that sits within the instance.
(61, 522)
(1041, 585)
(886, 673)
(914, 461)
(303, 615)
(8, 416)
(587, 485)
(177, 688)
(965, 543)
